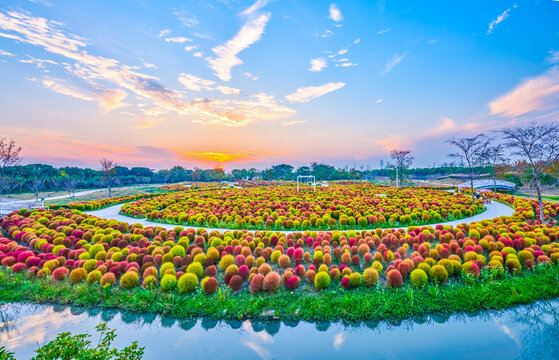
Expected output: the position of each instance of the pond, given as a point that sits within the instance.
(523, 332)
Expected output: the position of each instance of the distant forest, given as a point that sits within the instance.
(48, 178)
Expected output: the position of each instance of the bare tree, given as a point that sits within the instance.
(496, 157)
(9, 155)
(108, 167)
(539, 145)
(403, 160)
(473, 152)
(36, 185)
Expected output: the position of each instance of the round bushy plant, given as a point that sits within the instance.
(272, 282)
(257, 283)
(195, 268)
(210, 285)
(321, 280)
(354, 280)
(236, 282)
(438, 274)
(108, 279)
(78, 275)
(419, 278)
(370, 276)
(150, 282)
(187, 282)
(394, 279)
(94, 277)
(60, 273)
(168, 282)
(129, 280)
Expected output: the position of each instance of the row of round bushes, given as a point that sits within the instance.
(71, 245)
(361, 205)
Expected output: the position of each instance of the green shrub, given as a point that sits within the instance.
(419, 278)
(78, 275)
(321, 280)
(195, 268)
(370, 275)
(187, 283)
(129, 280)
(438, 274)
(168, 282)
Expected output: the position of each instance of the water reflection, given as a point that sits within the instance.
(524, 332)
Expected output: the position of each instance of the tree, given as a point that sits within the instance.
(539, 146)
(402, 161)
(9, 155)
(108, 168)
(471, 151)
(495, 158)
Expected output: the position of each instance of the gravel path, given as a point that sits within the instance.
(495, 209)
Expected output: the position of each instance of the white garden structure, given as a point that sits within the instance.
(306, 180)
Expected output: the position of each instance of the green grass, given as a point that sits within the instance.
(379, 303)
(235, 226)
(550, 198)
(103, 194)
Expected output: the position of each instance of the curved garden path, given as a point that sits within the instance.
(493, 210)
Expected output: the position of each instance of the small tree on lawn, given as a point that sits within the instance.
(539, 146)
(496, 158)
(402, 161)
(108, 167)
(473, 152)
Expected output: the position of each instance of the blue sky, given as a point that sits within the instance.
(254, 83)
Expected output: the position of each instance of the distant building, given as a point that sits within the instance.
(382, 164)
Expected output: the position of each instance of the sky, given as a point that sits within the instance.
(245, 84)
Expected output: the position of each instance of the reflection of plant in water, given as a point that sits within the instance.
(540, 322)
(66, 346)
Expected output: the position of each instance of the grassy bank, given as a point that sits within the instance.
(335, 303)
(103, 194)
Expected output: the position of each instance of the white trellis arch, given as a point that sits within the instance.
(306, 179)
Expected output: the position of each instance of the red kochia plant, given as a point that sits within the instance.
(272, 281)
(256, 284)
(236, 282)
(293, 282)
(394, 279)
(60, 273)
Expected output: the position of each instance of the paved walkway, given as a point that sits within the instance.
(495, 209)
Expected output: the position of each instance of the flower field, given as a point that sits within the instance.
(67, 246)
(340, 206)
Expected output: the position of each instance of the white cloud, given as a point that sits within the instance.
(259, 4)
(186, 18)
(148, 122)
(235, 113)
(227, 90)
(64, 90)
(384, 31)
(164, 32)
(194, 83)
(339, 340)
(318, 64)
(308, 93)
(42, 2)
(379, 101)
(178, 39)
(149, 66)
(335, 13)
(499, 20)
(250, 76)
(5, 53)
(342, 51)
(538, 93)
(346, 64)
(190, 47)
(395, 60)
(553, 57)
(250, 33)
(447, 125)
(294, 122)
(198, 54)
(356, 41)
(49, 36)
(433, 41)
